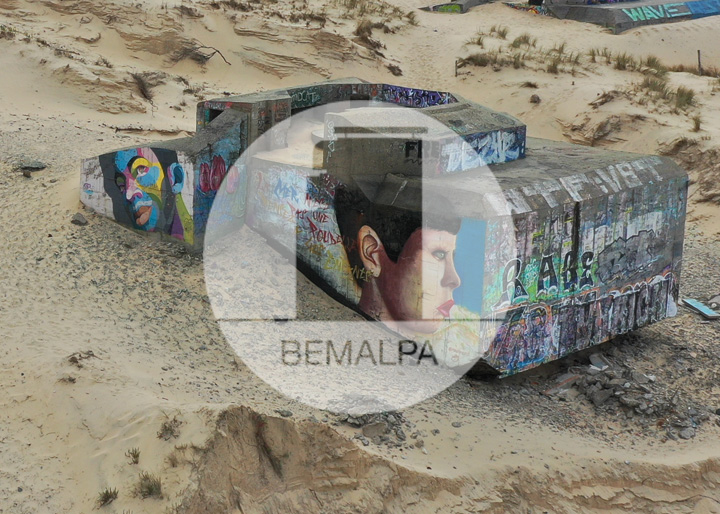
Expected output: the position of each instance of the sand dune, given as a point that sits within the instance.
(108, 336)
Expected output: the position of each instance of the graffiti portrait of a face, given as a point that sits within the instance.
(418, 288)
(408, 258)
(150, 187)
(141, 181)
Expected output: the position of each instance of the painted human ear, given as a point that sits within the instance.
(370, 248)
(176, 176)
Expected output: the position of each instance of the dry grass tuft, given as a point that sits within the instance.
(657, 85)
(102, 61)
(607, 54)
(559, 49)
(653, 65)
(697, 123)
(554, 66)
(684, 97)
(363, 31)
(624, 61)
(7, 32)
(524, 40)
(169, 429)
(707, 71)
(148, 80)
(359, 8)
(500, 31)
(189, 12)
(478, 39)
(107, 496)
(395, 70)
(190, 50)
(232, 4)
(483, 59)
(133, 455)
(149, 486)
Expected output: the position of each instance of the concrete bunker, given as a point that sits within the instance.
(623, 15)
(617, 15)
(598, 234)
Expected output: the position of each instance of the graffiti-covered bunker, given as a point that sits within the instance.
(563, 248)
(623, 15)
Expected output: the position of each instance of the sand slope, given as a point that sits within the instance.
(106, 334)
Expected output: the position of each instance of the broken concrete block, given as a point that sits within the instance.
(601, 396)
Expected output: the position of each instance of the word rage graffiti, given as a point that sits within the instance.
(576, 276)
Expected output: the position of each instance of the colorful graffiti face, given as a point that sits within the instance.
(417, 290)
(150, 187)
(140, 181)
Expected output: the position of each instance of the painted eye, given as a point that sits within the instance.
(439, 254)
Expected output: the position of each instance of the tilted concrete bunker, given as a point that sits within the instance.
(622, 15)
(598, 235)
(617, 15)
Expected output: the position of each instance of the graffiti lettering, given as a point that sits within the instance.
(319, 217)
(415, 97)
(514, 292)
(323, 236)
(283, 190)
(586, 279)
(547, 279)
(322, 196)
(537, 333)
(656, 12)
(483, 149)
(313, 248)
(624, 257)
(570, 276)
(306, 97)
